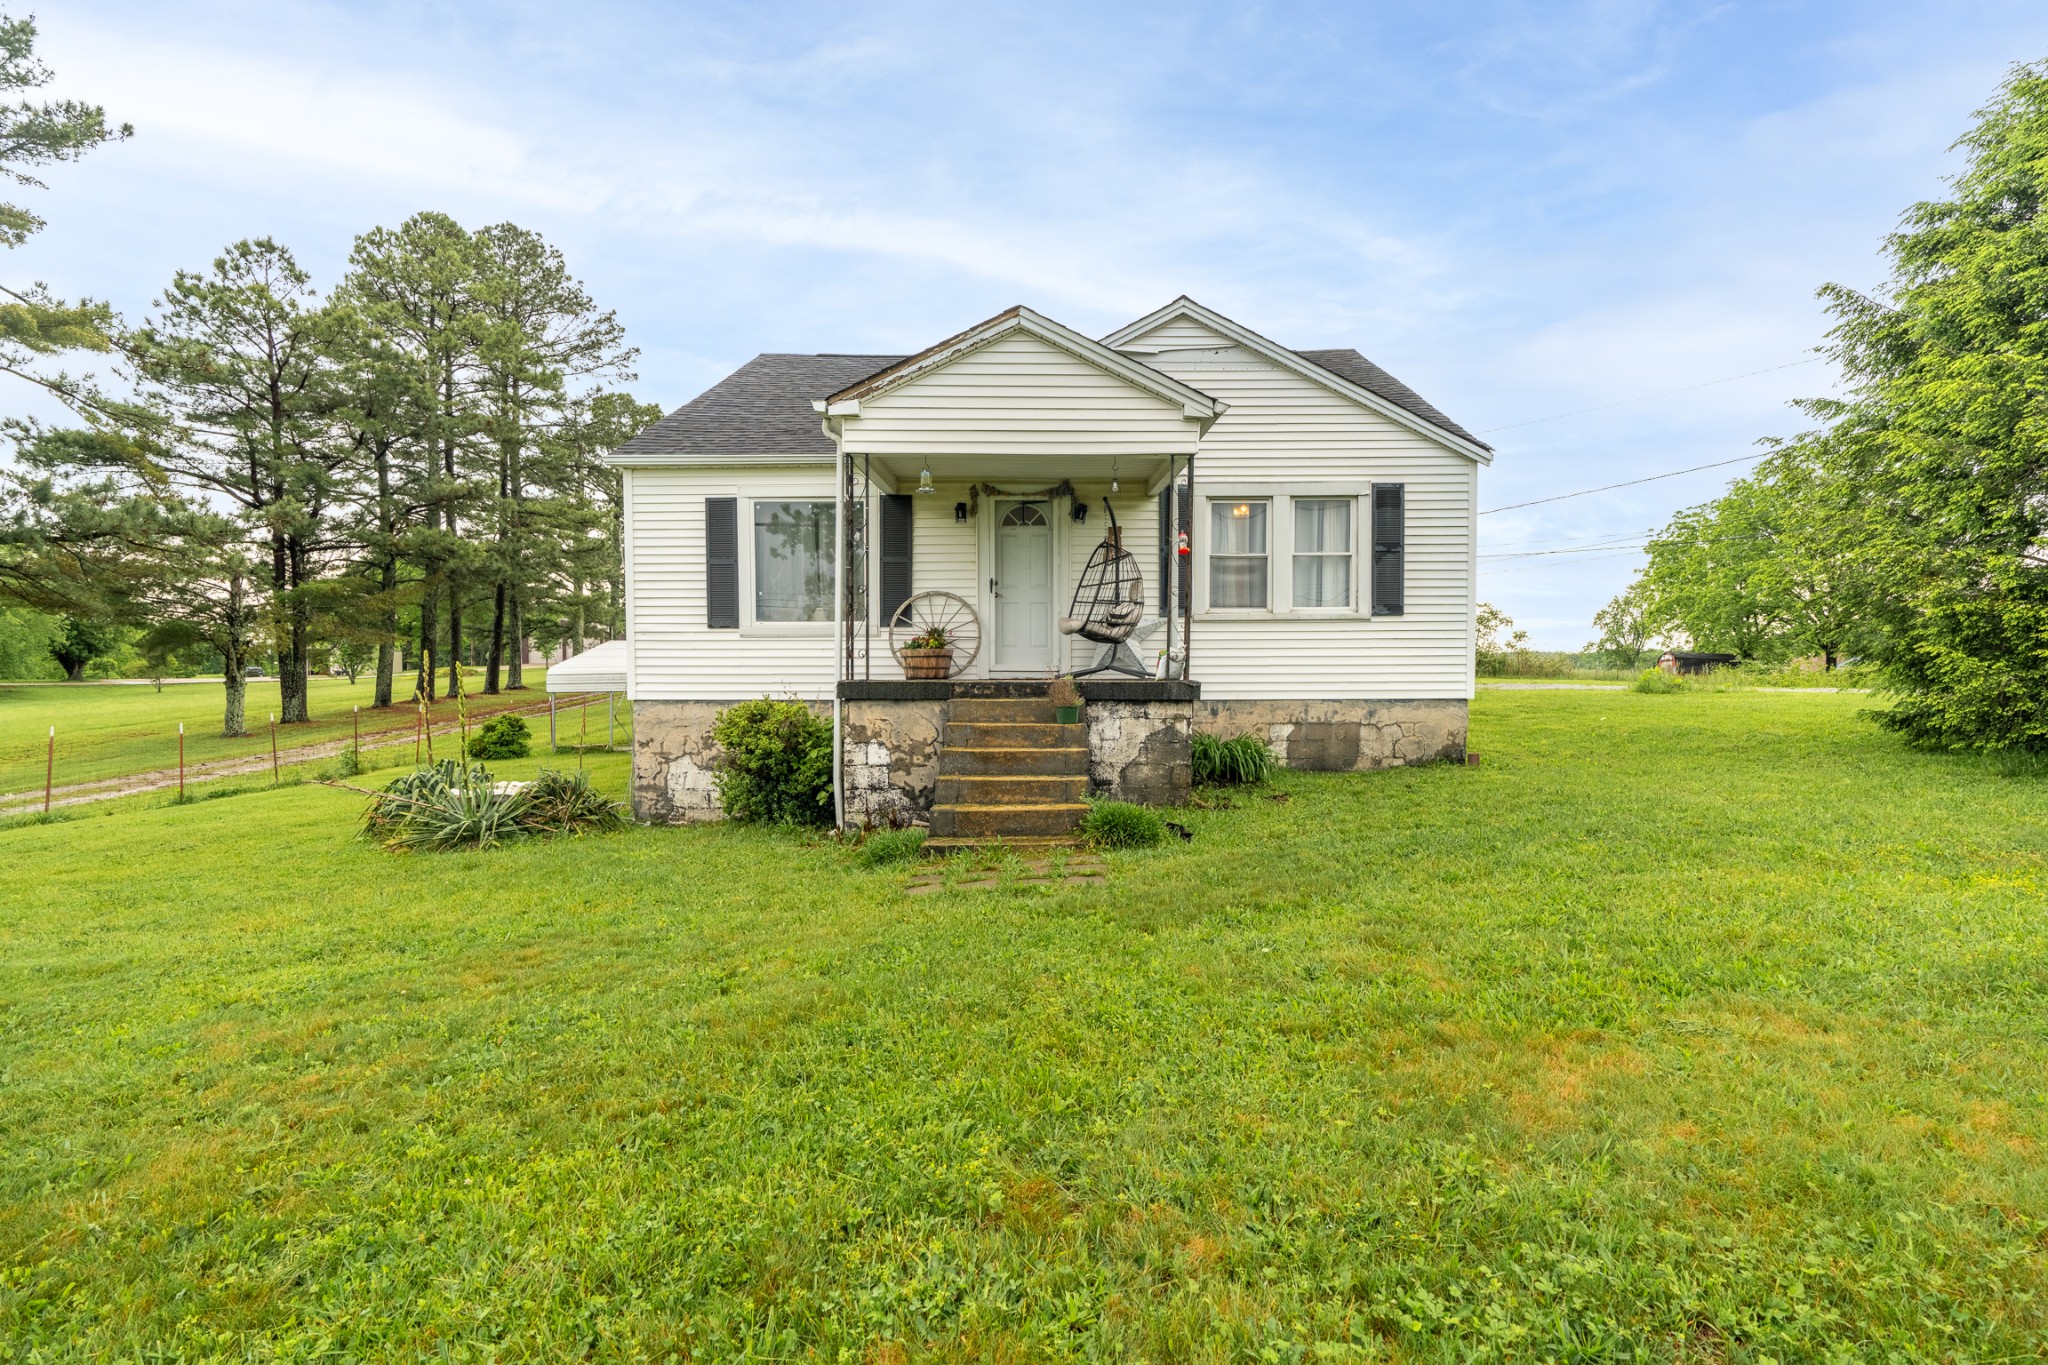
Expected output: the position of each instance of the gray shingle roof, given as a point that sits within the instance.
(1349, 364)
(762, 408)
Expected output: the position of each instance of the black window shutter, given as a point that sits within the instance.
(895, 553)
(1389, 548)
(722, 563)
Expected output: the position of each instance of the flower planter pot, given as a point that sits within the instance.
(1067, 715)
(931, 665)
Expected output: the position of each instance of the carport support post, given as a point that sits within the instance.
(553, 747)
(611, 719)
(273, 749)
(181, 760)
(583, 740)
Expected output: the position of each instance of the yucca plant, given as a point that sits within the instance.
(565, 803)
(1241, 761)
(449, 806)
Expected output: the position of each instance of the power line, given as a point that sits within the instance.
(1584, 550)
(1626, 483)
(1646, 397)
(1554, 563)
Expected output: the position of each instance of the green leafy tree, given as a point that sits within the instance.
(1944, 438)
(1625, 629)
(81, 641)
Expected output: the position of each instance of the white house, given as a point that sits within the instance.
(1320, 514)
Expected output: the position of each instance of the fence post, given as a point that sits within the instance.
(181, 760)
(273, 749)
(357, 717)
(49, 769)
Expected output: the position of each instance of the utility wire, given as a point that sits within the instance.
(1554, 563)
(1646, 397)
(1539, 554)
(1627, 483)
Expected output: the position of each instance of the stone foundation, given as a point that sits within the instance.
(1138, 745)
(1140, 751)
(1345, 736)
(892, 760)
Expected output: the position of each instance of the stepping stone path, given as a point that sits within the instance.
(1080, 869)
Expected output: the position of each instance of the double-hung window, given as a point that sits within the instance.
(1240, 563)
(1322, 552)
(793, 548)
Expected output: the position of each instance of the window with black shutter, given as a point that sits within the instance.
(1389, 549)
(895, 585)
(722, 563)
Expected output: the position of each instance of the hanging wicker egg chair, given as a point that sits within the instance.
(1109, 601)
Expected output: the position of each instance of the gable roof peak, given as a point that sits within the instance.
(1342, 370)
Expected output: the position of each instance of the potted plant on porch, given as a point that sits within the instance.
(1066, 699)
(929, 655)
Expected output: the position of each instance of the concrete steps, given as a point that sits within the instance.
(1009, 773)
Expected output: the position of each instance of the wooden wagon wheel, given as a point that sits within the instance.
(942, 611)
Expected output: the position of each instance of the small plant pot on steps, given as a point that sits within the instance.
(928, 664)
(1067, 715)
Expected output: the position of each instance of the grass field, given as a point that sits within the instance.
(109, 731)
(1705, 1027)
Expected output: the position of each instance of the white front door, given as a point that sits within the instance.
(1023, 588)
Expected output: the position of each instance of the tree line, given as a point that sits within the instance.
(1909, 528)
(405, 464)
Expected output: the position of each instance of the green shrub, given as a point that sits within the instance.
(889, 847)
(501, 737)
(1656, 682)
(1245, 760)
(1119, 824)
(776, 767)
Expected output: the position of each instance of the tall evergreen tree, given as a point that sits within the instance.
(238, 354)
(541, 339)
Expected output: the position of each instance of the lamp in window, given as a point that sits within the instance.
(924, 480)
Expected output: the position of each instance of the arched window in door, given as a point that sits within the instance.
(1025, 514)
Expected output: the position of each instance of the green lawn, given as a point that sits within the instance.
(1705, 1027)
(107, 731)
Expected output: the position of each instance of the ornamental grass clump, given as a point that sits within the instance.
(1119, 824)
(775, 767)
(448, 806)
(1241, 761)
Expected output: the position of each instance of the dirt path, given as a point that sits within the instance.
(135, 784)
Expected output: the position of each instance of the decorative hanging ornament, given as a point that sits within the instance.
(1114, 487)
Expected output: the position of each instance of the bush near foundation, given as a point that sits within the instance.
(1242, 760)
(776, 764)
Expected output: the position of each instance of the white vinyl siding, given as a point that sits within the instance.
(676, 656)
(1286, 435)
(1020, 395)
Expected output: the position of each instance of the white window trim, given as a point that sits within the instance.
(1351, 554)
(750, 625)
(1207, 534)
(1280, 551)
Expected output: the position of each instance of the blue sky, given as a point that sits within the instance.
(1522, 209)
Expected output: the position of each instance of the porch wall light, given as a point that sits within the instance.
(1080, 512)
(924, 481)
(959, 511)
